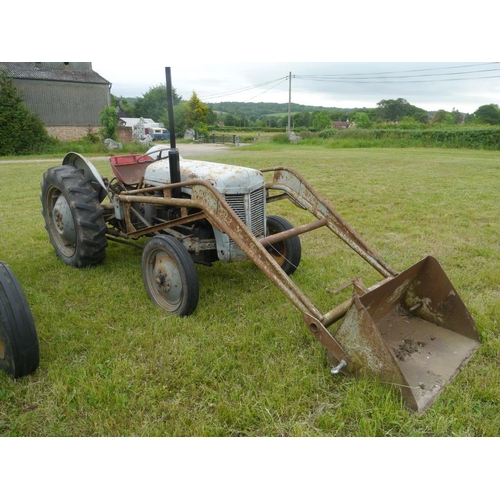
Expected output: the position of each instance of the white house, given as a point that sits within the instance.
(141, 127)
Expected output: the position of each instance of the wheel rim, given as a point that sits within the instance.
(61, 222)
(165, 280)
(277, 250)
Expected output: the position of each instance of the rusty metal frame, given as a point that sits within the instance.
(211, 205)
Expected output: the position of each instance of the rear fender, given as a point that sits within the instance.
(90, 172)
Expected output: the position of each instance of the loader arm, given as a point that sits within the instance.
(301, 193)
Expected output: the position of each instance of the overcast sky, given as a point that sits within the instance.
(429, 85)
(196, 38)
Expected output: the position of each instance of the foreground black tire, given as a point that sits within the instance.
(19, 350)
(286, 253)
(73, 216)
(170, 276)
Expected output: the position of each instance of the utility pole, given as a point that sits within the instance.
(289, 100)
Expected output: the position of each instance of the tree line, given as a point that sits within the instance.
(388, 111)
(275, 115)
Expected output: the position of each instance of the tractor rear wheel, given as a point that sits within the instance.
(19, 350)
(73, 216)
(286, 253)
(170, 276)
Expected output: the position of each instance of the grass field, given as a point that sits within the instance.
(244, 364)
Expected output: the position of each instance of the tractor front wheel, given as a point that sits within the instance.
(73, 216)
(170, 276)
(19, 351)
(286, 253)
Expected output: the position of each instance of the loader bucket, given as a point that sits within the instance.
(413, 331)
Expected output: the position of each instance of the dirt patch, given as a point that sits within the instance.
(406, 348)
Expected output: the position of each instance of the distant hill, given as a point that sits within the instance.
(257, 109)
(254, 111)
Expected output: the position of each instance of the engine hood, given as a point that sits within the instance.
(227, 179)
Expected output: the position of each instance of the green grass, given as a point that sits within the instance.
(244, 364)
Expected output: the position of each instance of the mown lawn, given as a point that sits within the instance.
(244, 364)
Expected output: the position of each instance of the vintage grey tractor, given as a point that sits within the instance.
(411, 329)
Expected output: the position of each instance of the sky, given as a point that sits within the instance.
(218, 48)
(463, 86)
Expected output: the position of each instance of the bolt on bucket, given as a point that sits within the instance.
(413, 331)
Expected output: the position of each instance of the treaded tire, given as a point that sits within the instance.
(169, 275)
(287, 253)
(73, 216)
(19, 350)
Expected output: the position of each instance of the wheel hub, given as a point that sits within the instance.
(63, 220)
(162, 281)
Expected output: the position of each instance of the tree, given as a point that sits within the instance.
(109, 121)
(196, 114)
(392, 110)
(418, 114)
(179, 120)
(459, 118)
(409, 123)
(443, 117)
(362, 120)
(153, 104)
(339, 116)
(123, 103)
(211, 117)
(21, 131)
(229, 120)
(488, 113)
(321, 120)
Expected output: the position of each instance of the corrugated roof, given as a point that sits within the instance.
(72, 72)
(132, 122)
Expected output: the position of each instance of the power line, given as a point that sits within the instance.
(414, 70)
(245, 89)
(380, 79)
(279, 83)
(334, 80)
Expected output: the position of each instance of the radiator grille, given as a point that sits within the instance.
(250, 208)
(237, 203)
(257, 204)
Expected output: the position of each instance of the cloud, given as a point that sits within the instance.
(428, 85)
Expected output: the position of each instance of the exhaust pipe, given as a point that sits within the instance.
(173, 154)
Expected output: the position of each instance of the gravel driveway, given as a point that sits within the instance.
(193, 149)
(185, 150)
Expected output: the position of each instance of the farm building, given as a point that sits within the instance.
(140, 127)
(67, 96)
